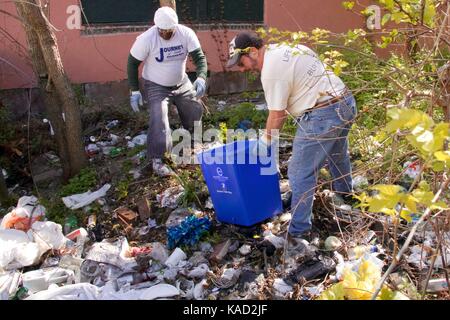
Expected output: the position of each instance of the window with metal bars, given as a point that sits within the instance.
(121, 12)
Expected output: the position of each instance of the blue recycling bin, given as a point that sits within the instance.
(244, 188)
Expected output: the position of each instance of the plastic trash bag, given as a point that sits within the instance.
(17, 250)
(79, 291)
(48, 235)
(24, 215)
(81, 200)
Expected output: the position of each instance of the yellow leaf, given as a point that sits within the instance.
(335, 292)
(386, 189)
(410, 203)
(405, 214)
(443, 156)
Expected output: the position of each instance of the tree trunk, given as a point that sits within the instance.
(32, 14)
(168, 3)
(51, 100)
(4, 196)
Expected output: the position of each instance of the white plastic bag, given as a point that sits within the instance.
(17, 250)
(24, 215)
(48, 235)
(81, 200)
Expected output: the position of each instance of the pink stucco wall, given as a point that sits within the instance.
(102, 58)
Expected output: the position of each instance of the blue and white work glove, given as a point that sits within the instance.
(200, 87)
(136, 100)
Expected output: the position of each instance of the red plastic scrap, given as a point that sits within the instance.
(135, 251)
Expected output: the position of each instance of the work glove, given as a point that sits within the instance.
(136, 100)
(261, 147)
(200, 87)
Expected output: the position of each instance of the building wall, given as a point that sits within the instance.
(102, 58)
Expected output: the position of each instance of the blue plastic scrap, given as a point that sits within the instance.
(188, 232)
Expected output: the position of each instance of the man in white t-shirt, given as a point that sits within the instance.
(164, 49)
(297, 84)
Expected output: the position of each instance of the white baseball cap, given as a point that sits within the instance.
(166, 18)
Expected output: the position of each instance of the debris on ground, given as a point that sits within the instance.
(140, 237)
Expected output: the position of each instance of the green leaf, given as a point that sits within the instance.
(438, 166)
(424, 186)
(385, 19)
(429, 13)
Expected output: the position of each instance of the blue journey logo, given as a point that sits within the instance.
(167, 50)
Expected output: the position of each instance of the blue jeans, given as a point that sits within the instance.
(322, 136)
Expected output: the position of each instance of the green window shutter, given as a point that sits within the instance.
(119, 11)
(189, 11)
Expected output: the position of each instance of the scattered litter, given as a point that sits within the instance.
(278, 242)
(199, 272)
(9, 284)
(92, 149)
(126, 214)
(284, 186)
(186, 288)
(360, 183)
(282, 287)
(437, 285)
(78, 291)
(140, 140)
(189, 232)
(170, 197)
(159, 291)
(245, 250)
(332, 243)
(40, 280)
(144, 209)
(112, 124)
(312, 269)
(151, 223)
(114, 253)
(176, 256)
(159, 252)
(27, 211)
(206, 247)
(220, 251)
(229, 278)
(81, 200)
(285, 217)
(209, 204)
(17, 250)
(48, 235)
(199, 290)
(358, 281)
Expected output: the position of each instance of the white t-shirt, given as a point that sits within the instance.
(294, 79)
(165, 60)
